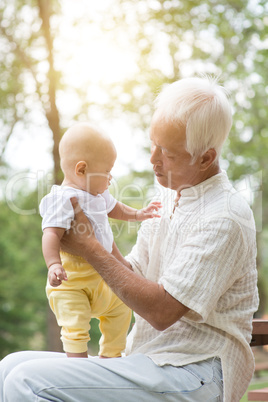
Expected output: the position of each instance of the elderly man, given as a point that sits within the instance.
(190, 279)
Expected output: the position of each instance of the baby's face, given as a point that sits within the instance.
(99, 177)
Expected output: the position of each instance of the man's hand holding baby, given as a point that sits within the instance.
(80, 238)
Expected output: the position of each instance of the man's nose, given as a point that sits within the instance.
(155, 155)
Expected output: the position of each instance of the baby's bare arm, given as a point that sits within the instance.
(125, 213)
(51, 251)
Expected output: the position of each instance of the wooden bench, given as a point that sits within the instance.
(262, 366)
(259, 338)
(259, 333)
(258, 395)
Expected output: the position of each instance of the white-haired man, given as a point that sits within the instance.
(190, 279)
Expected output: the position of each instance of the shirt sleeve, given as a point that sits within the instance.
(56, 211)
(110, 201)
(206, 266)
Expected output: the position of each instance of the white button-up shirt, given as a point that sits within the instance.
(205, 257)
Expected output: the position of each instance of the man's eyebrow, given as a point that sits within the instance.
(170, 152)
(164, 149)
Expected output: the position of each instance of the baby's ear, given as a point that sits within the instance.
(80, 168)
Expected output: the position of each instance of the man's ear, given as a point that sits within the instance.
(208, 158)
(80, 168)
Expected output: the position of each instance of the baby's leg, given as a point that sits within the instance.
(114, 327)
(83, 354)
(73, 312)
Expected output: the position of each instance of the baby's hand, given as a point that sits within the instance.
(149, 212)
(56, 274)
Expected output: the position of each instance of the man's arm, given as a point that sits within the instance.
(146, 298)
(116, 253)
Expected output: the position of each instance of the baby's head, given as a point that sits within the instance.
(87, 158)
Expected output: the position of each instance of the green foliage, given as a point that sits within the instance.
(169, 39)
(23, 305)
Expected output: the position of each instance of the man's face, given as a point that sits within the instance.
(171, 162)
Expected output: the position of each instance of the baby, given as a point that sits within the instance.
(76, 292)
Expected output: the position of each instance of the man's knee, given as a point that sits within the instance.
(16, 387)
(9, 362)
(22, 380)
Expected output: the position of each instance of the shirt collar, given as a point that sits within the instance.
(204, 186)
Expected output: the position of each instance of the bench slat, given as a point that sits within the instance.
(258, 395)
(260, 327)
(259, 333)
(259, 337)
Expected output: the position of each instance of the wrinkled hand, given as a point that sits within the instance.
(78, 239)
(149, 212)
(56, 274)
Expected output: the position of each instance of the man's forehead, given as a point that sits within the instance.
(166, 134)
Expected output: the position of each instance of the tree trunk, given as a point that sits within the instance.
(52, 114)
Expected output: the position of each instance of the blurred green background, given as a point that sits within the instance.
(64, 61)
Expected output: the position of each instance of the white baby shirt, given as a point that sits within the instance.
(57, 211)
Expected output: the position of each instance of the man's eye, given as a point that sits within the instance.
(167, 154)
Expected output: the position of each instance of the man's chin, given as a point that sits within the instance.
(162, 181)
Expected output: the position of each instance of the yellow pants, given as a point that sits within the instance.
(83, 296)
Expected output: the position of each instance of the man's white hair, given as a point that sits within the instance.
(200, 107)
